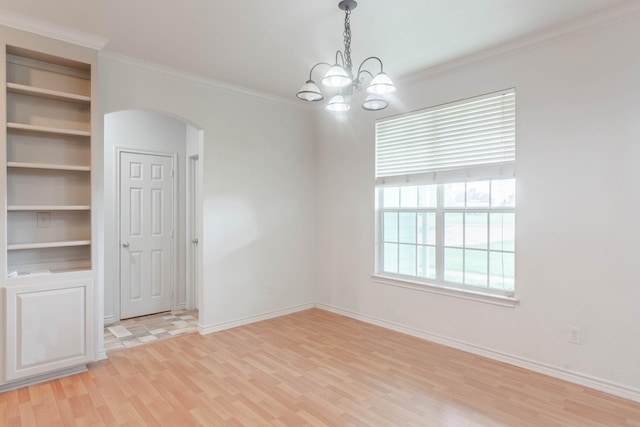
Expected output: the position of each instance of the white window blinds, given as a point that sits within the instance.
(465, 140)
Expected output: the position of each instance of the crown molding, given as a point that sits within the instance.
(195, 78)
(571, 28)
(47, 29)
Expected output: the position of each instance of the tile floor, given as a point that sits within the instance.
(139, 330)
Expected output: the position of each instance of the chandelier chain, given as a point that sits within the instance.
(347, 40)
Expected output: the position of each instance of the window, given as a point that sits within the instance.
(446, 195)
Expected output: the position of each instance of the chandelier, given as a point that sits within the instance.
(339, 80)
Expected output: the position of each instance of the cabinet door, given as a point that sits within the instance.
(46, 328)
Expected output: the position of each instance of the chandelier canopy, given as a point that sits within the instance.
(340, 81)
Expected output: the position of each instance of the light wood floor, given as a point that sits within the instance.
(309, 368)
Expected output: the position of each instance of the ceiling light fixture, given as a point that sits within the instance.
(340, 81)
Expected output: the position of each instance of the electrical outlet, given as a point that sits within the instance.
(44, 220)
(575, 335)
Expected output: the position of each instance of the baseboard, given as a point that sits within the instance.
(542, 368)
(43, 378)
(109, 320)
(216, 327)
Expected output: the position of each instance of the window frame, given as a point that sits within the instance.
(476, 172)
(439, 211)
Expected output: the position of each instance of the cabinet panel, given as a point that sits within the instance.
(46, 328)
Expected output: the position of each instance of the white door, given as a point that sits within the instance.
(193, 261)
(146, 241)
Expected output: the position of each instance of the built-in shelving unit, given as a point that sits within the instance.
(48, 194)
(49, 231)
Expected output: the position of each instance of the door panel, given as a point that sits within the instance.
(146, 222)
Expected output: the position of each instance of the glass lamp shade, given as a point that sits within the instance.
(338, 103)
(381, 85)
(336, 77)
(310, 92)
(374, 103)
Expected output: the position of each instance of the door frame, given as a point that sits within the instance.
(174, 213)
(194, 228)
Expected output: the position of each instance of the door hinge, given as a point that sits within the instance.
(172, 234)
(171, 173)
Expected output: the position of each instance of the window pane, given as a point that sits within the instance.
(390, 258)
(478, 194)
(475, 230)
(390, 227)
(427, 228)
(453, 229)
(502, 269)
(407, 261)
(427, 262)
(390, 197)
(475, 267)
(409, 197)
(454, 195)
(407, 227)
(453, 262)
(502, 231)
(503, 193)
(428, 196)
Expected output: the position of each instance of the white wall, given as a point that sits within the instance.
(578, 151)
(258, 187)
(147, 131)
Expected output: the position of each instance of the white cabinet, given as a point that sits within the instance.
(47, 327)
(47, 193)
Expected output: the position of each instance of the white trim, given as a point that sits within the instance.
(43, 378)
(542, 368)
(110, 319)
(194, 78)
(590, 22)
(193, 219)
(47, 29)
(501, 300)
(216, 327)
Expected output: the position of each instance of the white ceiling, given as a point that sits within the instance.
(269, 46)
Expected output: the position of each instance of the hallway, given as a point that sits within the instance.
(140, 330)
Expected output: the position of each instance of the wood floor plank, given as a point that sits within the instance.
(309, 368)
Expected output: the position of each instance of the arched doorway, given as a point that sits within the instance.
(152, 134)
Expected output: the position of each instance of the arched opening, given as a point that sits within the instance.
(152, 215)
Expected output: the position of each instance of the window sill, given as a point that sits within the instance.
(503, 301)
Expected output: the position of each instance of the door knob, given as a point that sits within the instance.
(195, 241)
(125, 244)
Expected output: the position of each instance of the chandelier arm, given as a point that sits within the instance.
(371, 57)
(363, 72)
(314, 67)
(339, 54)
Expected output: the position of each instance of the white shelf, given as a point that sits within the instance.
(44, 245)
(48, 166)
(47, 93)
(48, 208)
(46, 129)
